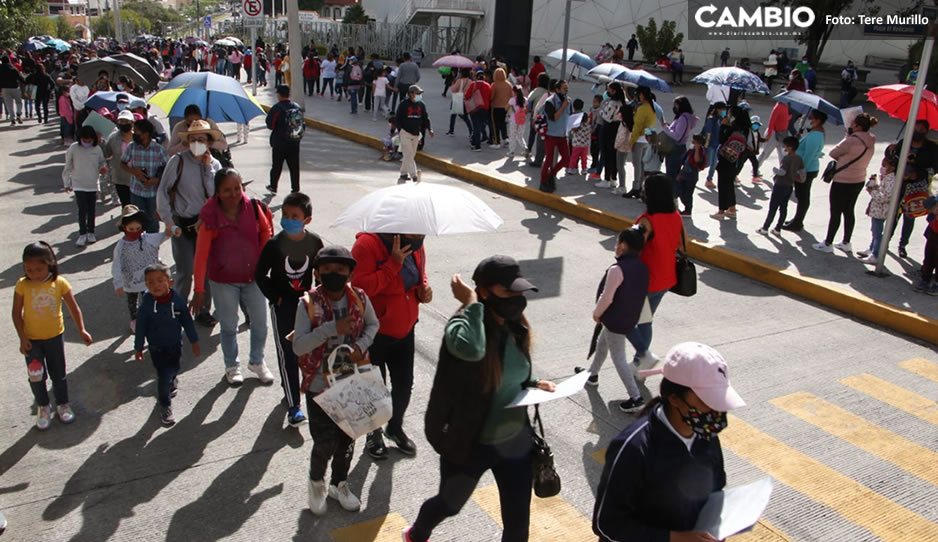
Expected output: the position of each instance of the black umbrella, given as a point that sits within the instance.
(142, 66)
(88, 72)
(594, 340)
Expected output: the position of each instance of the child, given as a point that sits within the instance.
(711, 132)
(332, 314)
(790, 171)
(66, 117)
(651, 160)
(930, 262)
(163, 314)
(84, 161)
(37, 317)
(517, 121)
(287, 259)
(133, 253)
(391, 142)
(878, 208)
(595, 143)
(581, 140)
(620, 300)
(380, 92)
(695, 160)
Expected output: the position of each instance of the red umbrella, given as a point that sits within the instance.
(895, 101)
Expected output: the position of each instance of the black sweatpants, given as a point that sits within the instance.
(803, 193)
(51, 354)
(86, 211)
(166, 362)
(609, 132)
(395, 357)
(290, 154)
(510, 463)
(843, 200)
(499, 127)
(283, 320)
(726, 184)
(329, 442)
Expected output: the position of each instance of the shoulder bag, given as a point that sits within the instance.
(686, 274)
(546, 481)
(832, 168)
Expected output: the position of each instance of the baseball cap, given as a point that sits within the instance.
(415, 88)
(137, 103)
(703, 370)
(334, 254)
(126, 115)
(502, 270)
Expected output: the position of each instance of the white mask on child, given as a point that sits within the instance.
(197, 148)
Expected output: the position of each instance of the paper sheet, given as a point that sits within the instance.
(850, 113)
(735, 510)
(573, 121)
(103, 126)
(533, 396)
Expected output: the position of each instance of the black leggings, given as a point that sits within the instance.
(726, 184)
(609, 150)
(843, 199)
(395, 358)
(803, 193)
(499, 127)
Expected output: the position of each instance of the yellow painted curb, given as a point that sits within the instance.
(852, 303)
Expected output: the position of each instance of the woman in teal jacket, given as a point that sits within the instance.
(810, 149)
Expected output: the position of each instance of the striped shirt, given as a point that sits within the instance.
(151, 159)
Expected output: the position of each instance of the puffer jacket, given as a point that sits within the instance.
(849, 148)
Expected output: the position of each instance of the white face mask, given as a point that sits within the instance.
(197, 148)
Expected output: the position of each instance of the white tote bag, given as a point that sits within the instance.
(358, 403)
(457, 108)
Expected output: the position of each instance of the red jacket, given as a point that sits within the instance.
(380, 277)
(484, 89)
(536, 70)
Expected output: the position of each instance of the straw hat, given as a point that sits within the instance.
(202, 127)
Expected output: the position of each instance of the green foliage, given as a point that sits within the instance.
(64, 29)
(655, 43)
(204, 8)
(355, 15)
(17, 20)
(103, 25)
(39, 25)
(311, 5)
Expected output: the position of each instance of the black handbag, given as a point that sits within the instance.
(832, 169)
(686, 276)
(546, 481)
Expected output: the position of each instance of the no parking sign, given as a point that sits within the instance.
(253, 12)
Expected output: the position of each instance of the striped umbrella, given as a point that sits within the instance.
(221, 98)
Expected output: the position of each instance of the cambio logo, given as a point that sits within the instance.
(763, 17)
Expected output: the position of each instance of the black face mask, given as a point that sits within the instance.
(124, 127)
(138, 140)
(509, 308)
(850, 131)
(918, 136)
(334, 282)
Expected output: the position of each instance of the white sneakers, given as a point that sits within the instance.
(317, 497)
(823, 247)
(82, 240)
(346, 498)
(846, 247)
(318, 492)
(262, 372)
(233, 375)
(619, 190)
(90, 238)
(645, 362)
(603, 184)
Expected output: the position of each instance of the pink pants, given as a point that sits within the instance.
(579, 153)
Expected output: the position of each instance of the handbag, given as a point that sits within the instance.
(474, 101)
(457, 107)
(831, 169)
(665, 144)
(358, 403)
(546, 481)
(686, 273)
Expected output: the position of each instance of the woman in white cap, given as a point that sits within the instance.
(662, 468)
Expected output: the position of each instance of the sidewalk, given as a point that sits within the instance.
(792, 253)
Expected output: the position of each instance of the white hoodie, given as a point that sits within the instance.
(81, 167)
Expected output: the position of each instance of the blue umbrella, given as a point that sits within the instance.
(733, 77)
(636, 78)
(574, 57)
(33, 45)
(105, 99)
(221, 98)
(804, 102)
(59, 44)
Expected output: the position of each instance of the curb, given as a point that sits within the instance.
(851, 303)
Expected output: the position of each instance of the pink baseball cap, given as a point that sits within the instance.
(703, 370)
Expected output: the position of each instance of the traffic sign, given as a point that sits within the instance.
(207, 21)
(252, 8)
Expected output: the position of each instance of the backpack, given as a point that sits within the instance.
(296, 124)
(733, 148)
(913, 199)
(355, 74)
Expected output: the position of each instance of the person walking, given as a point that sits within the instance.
(391, 269)
(775, 133)
(412, 120)
(11, 85)
(810, 149)
(631, 46)
(485, 360)
(479, 116)
(853, 155)
(45, 89)
(328, 75)
(408, 74)
(145, 160)
(84, 162)
(501, 94)
(557, 111)
(287, 127)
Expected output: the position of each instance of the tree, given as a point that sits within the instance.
(817, 35)
(355, 15)
(39, 25)
(658, 43)
(16, 20)
(64, 29)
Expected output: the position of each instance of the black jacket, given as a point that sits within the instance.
(10, 77)
(652, 485)
(271, 274)
(412, 116)
(277, 122)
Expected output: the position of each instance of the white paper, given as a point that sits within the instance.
(850, 113)
(533, 396)
(573, 121)
(735, 510)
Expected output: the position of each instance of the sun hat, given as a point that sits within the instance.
(703, 370)
(202, 127)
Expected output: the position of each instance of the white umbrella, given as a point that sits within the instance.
(420, 208)
(574, 57)
(235, 40)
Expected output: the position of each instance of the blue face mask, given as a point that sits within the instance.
(291, 226)
(418, 98)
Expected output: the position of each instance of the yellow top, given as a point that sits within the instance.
(42, 307)
(644, 118)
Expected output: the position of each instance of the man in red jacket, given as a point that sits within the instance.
(391, 269)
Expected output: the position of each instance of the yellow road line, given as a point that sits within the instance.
(853, 501)
(551, 519)
(891, 394)
(905, 454)
(921, 367)
(599, 456)
(384, 529)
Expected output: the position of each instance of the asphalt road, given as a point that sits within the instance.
(841, 414)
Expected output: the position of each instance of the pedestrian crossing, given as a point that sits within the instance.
(556, 519)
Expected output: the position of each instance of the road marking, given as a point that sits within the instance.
(891, 394)
(551, 519)
(384, 529)
(853, 501)
(921, 367)
(599, 456)
(888, 446)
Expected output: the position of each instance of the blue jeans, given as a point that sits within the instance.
(640, 336)
(353, 98)
(148, 206)
(711, 161)
(781, 193)
(227, 297)
(876, 227)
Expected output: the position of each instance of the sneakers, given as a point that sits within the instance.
(233, 375)
(719, 215)
(510, 154)
(403, 178)
(593, 177)
(475, 149)
(631, 405)
(317, 496)
(44, 417)
(619, 190)
(403, 442)
(593, 380)
(933, 290)
(686, 213)
(262, 372)
(571, 171)
(166, 416)
(346, 498)
(777, 232)
(66, 415)
(82, 240)
(729, 213)
(295, 417)
(846, 247)
(374, 445)
(495, 145)
(762, 231)
(920, 286)
(863, 253)
(91, 239)
(646, 361)
(823, 247)
(791, 226)
(870, 258)
(603, 184)
(271, 188)
(709, 184)
(903, 253)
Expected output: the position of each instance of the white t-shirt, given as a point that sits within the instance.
(328, 69)
(381, 86)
